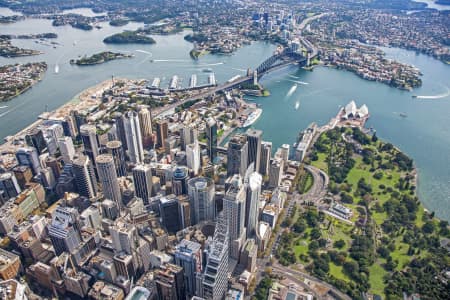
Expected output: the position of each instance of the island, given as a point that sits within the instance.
(118, 22)
(99, 58)
(128, 37)
(16, 79)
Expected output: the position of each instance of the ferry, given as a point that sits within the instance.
(252, 117)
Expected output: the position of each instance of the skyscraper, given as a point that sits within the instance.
(266, 153)
(215, 277)
(254, 147)
(234, 212)
(29, 157)
(275, 172)
(83, 170)
(237, 155)
(116, 150)
(108, 178)
(134, 137)
(188, 135)
(201, 197)
(120, 128)
(35, 138)
(170, 213)
(66, 148)
(162, 132)
(193, 156)
(211, 136)
(145, 120)
(142, 177)
(188, 255)
(253, 182)
(89, 137)
(9, 185)
(64, 230)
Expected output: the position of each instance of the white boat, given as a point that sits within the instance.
(56, 69)
(2, 107)
(252, 117)
(297, 105)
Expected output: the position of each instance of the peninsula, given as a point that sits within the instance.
(370, 233)
(16, 79)
(8, 50)
(128, 37)
(99, 58)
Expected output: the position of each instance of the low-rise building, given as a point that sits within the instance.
(9, 265)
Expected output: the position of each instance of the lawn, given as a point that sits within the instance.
(321, 162)
(309, 182)
(336, 271)
(376, 278)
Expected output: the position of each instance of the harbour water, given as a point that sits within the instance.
(424, 134)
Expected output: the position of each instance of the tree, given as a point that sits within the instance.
(428, 227)
(374, 138)
(313, 246)
(315, 234)
(339, 244)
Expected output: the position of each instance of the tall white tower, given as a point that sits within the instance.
(193, 156)
(134, 137)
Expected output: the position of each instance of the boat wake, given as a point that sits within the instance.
(170, 60)
(237, 69)
(143, 51)
(291, 90)
(439, 96)
(299, 82)
(209, 65)
(6, 112)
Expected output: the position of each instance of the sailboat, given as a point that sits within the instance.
(56, 69)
